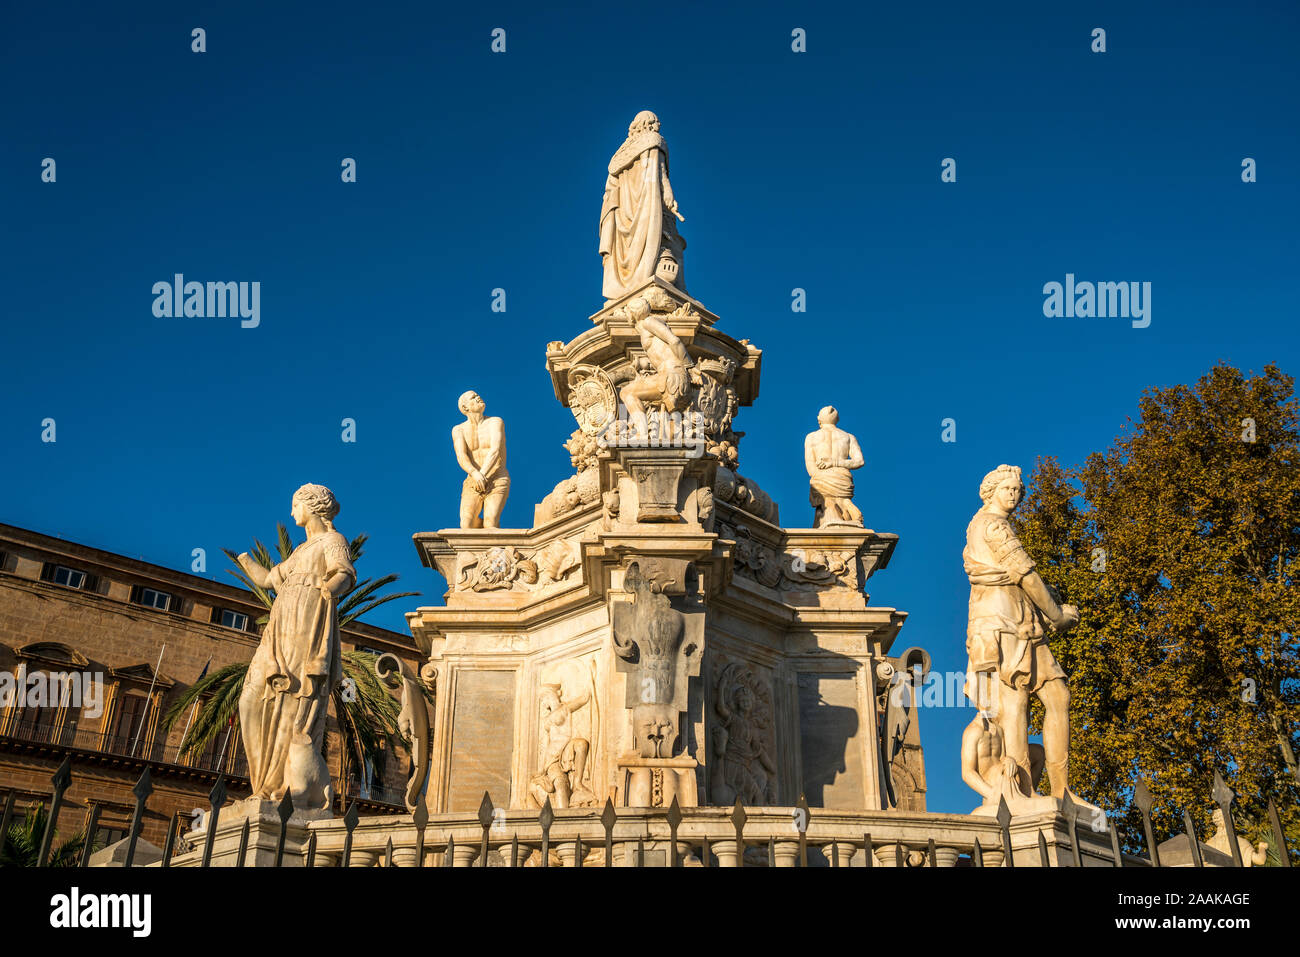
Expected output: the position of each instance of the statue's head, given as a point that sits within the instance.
(470, 402)
(314, 500)
(638, 309)
(643, 121)
(1003, 487)
(549, 697)
(743, 699)
(829, 415)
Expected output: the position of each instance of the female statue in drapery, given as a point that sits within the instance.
(638, 231)
(286, 693)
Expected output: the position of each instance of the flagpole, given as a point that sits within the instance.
(193, 711)
(222, 760)
(148, 703)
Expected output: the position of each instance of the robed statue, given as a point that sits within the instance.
(638, 219)
(286, 694)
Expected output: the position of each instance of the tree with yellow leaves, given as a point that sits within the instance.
(1180, 545)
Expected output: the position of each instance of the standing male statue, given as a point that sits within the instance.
(480, 445)
(638, 234)
(830, 454)
(1011, 611)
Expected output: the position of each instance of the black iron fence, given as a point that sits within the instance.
(673, 837)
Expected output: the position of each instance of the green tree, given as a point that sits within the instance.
(23, 846)
(1180, 545)
(364, 710)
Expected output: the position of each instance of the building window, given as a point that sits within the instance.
(69, 576)
(233, 619)
(105, 836)
(63, 575)
(130, 722)
(152, 598)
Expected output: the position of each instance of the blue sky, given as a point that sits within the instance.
(478, 171)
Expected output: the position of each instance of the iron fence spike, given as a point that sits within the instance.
(1279, 835)
(170, 843)
(242, 854)
(1192, 840)
(92, 825)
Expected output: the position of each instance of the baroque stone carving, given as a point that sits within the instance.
(650, 640)
(638, 234)
(592, 399)
(1011, 611)
(830, 454)
(742, 758)
(790, 571)
(566, 726)
(498, 567)
(283, 705)
(662, 382)
(412, 720)
(505, 567)
(896, 702)
(480, 445)
(743, 493)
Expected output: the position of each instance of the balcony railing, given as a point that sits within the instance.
(123, 744)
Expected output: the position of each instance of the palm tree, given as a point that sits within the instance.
(366, 713)
(23, 846)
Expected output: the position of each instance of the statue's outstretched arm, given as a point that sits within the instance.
(1062, 616)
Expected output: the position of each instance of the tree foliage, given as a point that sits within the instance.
(23, 846)
(1180, 545)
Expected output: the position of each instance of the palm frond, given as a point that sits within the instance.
(23, 844)
(375, 603)
(221, 689)
(283, 541)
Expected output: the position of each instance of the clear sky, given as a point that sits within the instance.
(476, 171)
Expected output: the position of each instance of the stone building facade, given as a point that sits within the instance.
(69, 609)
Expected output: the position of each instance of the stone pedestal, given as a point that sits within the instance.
(655, 782)
(263, 818)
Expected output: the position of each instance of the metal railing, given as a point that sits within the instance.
(122, 743)
(641, 837)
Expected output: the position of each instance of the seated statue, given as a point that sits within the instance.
(662, 381)
(830, 454)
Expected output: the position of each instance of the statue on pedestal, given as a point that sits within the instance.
(298, 663)
(663, 378)
(480, 445)
(1011, 612)
(830, 454)
(638, 235)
